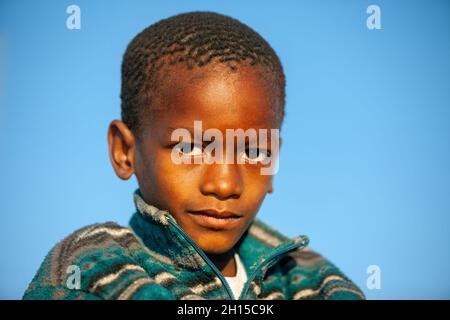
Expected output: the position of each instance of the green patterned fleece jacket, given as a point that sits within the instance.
(154, 258)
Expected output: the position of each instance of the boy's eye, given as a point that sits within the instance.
(189, 149)
(256, 155)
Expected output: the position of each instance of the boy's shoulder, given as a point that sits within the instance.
(90, 253)
(313, 276)
(93, 242)
(310, 275)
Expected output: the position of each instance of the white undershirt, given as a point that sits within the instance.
(237, 282)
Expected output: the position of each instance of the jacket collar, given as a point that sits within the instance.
(259, 247)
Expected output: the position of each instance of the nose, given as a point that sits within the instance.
(222, 181)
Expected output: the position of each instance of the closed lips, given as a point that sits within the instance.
(216, 214)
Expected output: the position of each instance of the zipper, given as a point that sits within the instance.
(217, 271)
(264, 262)
(204, 256)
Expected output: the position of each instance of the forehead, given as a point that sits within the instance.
(217, 96)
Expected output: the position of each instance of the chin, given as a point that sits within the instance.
(215, 247)
(216, 251)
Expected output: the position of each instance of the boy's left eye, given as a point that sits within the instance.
(254, 155)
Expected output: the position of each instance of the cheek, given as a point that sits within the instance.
(256, 187)
(256, 183)
(177, 181)
(161, 179)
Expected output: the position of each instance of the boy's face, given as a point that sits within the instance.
(222, 100)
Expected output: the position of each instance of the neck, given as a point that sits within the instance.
(225, 263)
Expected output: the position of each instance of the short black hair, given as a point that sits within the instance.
(195, 39)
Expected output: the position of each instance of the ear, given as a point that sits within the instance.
(278, 156)
(122, 148)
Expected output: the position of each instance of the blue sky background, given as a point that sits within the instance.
(364, 168)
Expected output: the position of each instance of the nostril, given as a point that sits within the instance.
(222, 191)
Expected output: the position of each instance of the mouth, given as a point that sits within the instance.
(215, 219)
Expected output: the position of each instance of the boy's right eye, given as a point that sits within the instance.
(189, 149)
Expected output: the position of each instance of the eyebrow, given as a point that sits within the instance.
(168, 134)
(171, 129)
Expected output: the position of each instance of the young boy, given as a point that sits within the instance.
(194, 235)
